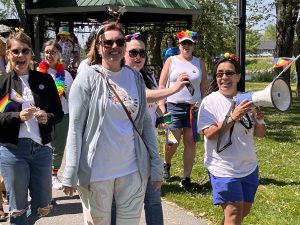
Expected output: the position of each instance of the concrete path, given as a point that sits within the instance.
(68, 211)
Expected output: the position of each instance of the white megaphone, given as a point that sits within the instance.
(277, 94)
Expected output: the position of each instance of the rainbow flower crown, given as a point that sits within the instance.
(226, 55)
(188, 34)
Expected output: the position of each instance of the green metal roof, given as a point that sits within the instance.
(151, 6)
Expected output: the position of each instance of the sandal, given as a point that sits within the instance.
(3, 215)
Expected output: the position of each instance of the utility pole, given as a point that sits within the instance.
(240, 22)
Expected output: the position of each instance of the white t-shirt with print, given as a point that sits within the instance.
(239, 159)
(115, 154)
(30, 128)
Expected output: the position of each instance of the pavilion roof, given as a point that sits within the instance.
(184, 7)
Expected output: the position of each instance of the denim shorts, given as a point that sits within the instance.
(229, 190)
(180, 114)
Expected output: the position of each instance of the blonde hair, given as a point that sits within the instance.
(19, 36)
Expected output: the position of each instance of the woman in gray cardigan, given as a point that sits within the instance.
(106, 157)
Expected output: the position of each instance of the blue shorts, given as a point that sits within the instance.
(229, 190)
(180, 114)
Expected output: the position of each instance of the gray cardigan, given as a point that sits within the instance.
(88, 99)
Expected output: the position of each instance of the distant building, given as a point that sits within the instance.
(266, 47)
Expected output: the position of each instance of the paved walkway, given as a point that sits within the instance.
(68, 211)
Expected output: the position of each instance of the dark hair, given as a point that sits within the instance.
(53, 43)
(213, 86)
(75, 39)
(173, 39)
(93, 56)
(89, 42)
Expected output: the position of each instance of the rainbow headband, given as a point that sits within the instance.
(187, 34)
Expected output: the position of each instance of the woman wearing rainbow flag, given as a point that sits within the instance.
(63, 81)
(182, 103)
(30, 106)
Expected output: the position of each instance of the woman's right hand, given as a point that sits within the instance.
(181, 81)
(27, 113)
(240, 110)
(69, 190)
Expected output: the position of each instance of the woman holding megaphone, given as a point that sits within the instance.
(228, 140)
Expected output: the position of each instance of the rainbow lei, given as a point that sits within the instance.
(59, 76)
(187, 33)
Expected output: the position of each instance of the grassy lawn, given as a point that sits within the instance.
(278, 197)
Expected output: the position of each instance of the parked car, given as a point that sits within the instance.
(265, 54)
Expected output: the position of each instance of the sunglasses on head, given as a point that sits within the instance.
(134, 53)
(109, 43)
(187, 42)
(16, 52)
(132, 36)
(228, 73)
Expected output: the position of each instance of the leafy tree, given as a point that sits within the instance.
(252, 41)
(216, 29)
(269, 33)
(14, 9)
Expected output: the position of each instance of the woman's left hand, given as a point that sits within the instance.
(41, 117)
(258, 114)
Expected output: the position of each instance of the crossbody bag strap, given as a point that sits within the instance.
(119, 99)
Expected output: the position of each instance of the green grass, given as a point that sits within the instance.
(278, 197)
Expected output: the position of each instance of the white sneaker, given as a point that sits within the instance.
(56, 183)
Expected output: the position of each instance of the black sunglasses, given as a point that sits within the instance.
(109, 43)
(228, 73)
(16, 52)
(134, 53)
(187, 42)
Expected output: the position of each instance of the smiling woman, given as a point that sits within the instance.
(105, 151)
(26, 132)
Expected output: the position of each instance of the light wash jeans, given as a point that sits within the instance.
(27, 167)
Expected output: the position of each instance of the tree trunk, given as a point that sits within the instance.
(296, 53)
(21, 15)
(287, 14)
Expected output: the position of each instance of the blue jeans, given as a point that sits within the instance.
(152, 205)
(27, 167)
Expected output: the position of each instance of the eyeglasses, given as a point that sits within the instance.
(134, 53)
(109, 43)
(228, 73)
(51, 53)
(132, 36)
(187, 42)
(24, 51)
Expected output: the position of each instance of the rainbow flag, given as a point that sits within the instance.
(5, 104)
(15, 96)
(282, 62)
